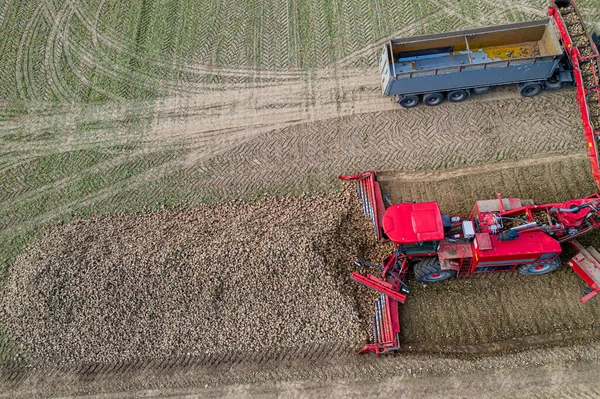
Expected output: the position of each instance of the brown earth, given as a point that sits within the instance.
(346, 125)
(544, 179)
(565, 372)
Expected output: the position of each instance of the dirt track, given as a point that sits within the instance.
(568, 372)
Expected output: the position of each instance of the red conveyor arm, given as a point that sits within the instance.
(369, 195)
(583, 55)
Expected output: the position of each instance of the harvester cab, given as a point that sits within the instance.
(416, 227)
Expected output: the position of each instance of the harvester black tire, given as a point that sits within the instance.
(409, 101)
(457, 96)
(481, 90)
(539, 268)
(529, 89)
(433, 99)
(429, 270)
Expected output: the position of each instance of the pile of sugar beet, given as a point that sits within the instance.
(231, 277)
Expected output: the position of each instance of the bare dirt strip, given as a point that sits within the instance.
(568, 371)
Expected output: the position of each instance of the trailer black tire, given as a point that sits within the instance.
(539, 268)
(562, 3)
(529, 89)
(409, 101)
(481, 90)
(429, 270)
(552, 84)
(457, 96)
(433, 99)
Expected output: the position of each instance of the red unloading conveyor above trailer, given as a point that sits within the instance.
(583, 54)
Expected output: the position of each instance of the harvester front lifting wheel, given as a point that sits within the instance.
(433, 99)
(457, 96)
(409, 101)
(429, 271)
(536, 269)
(529, 89)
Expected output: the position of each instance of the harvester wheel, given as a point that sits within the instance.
(481, 90)
(433, 99)
(457, 96)
(429, 270)
(409, 101)
(536, 269)
(529, 89)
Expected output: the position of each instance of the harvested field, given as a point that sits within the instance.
(233, 278)
(120, 121)
(114, 108)
(507, 310)
(544, 179)
(119, 167)
(568, 372)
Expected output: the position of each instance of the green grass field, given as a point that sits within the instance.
(101, 50)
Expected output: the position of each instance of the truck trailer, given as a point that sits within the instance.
(455, 65)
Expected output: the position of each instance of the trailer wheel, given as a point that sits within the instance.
(457, 96)
(433, 99)
(529, 89)
(552, 84)
(409, 101)
(429, 271)
(536, 269)
(481, 90)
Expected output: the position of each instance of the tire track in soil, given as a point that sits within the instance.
(290, 146)
(288, 106)
(135, 78)
(395, 140)
(253, 75)
(281, 156)
(107, 40)
(23, 67)
(59, 20)
(319, 364)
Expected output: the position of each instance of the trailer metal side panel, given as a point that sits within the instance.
(503, 32)
(498, 55)
(386, 71)
(472, 77)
